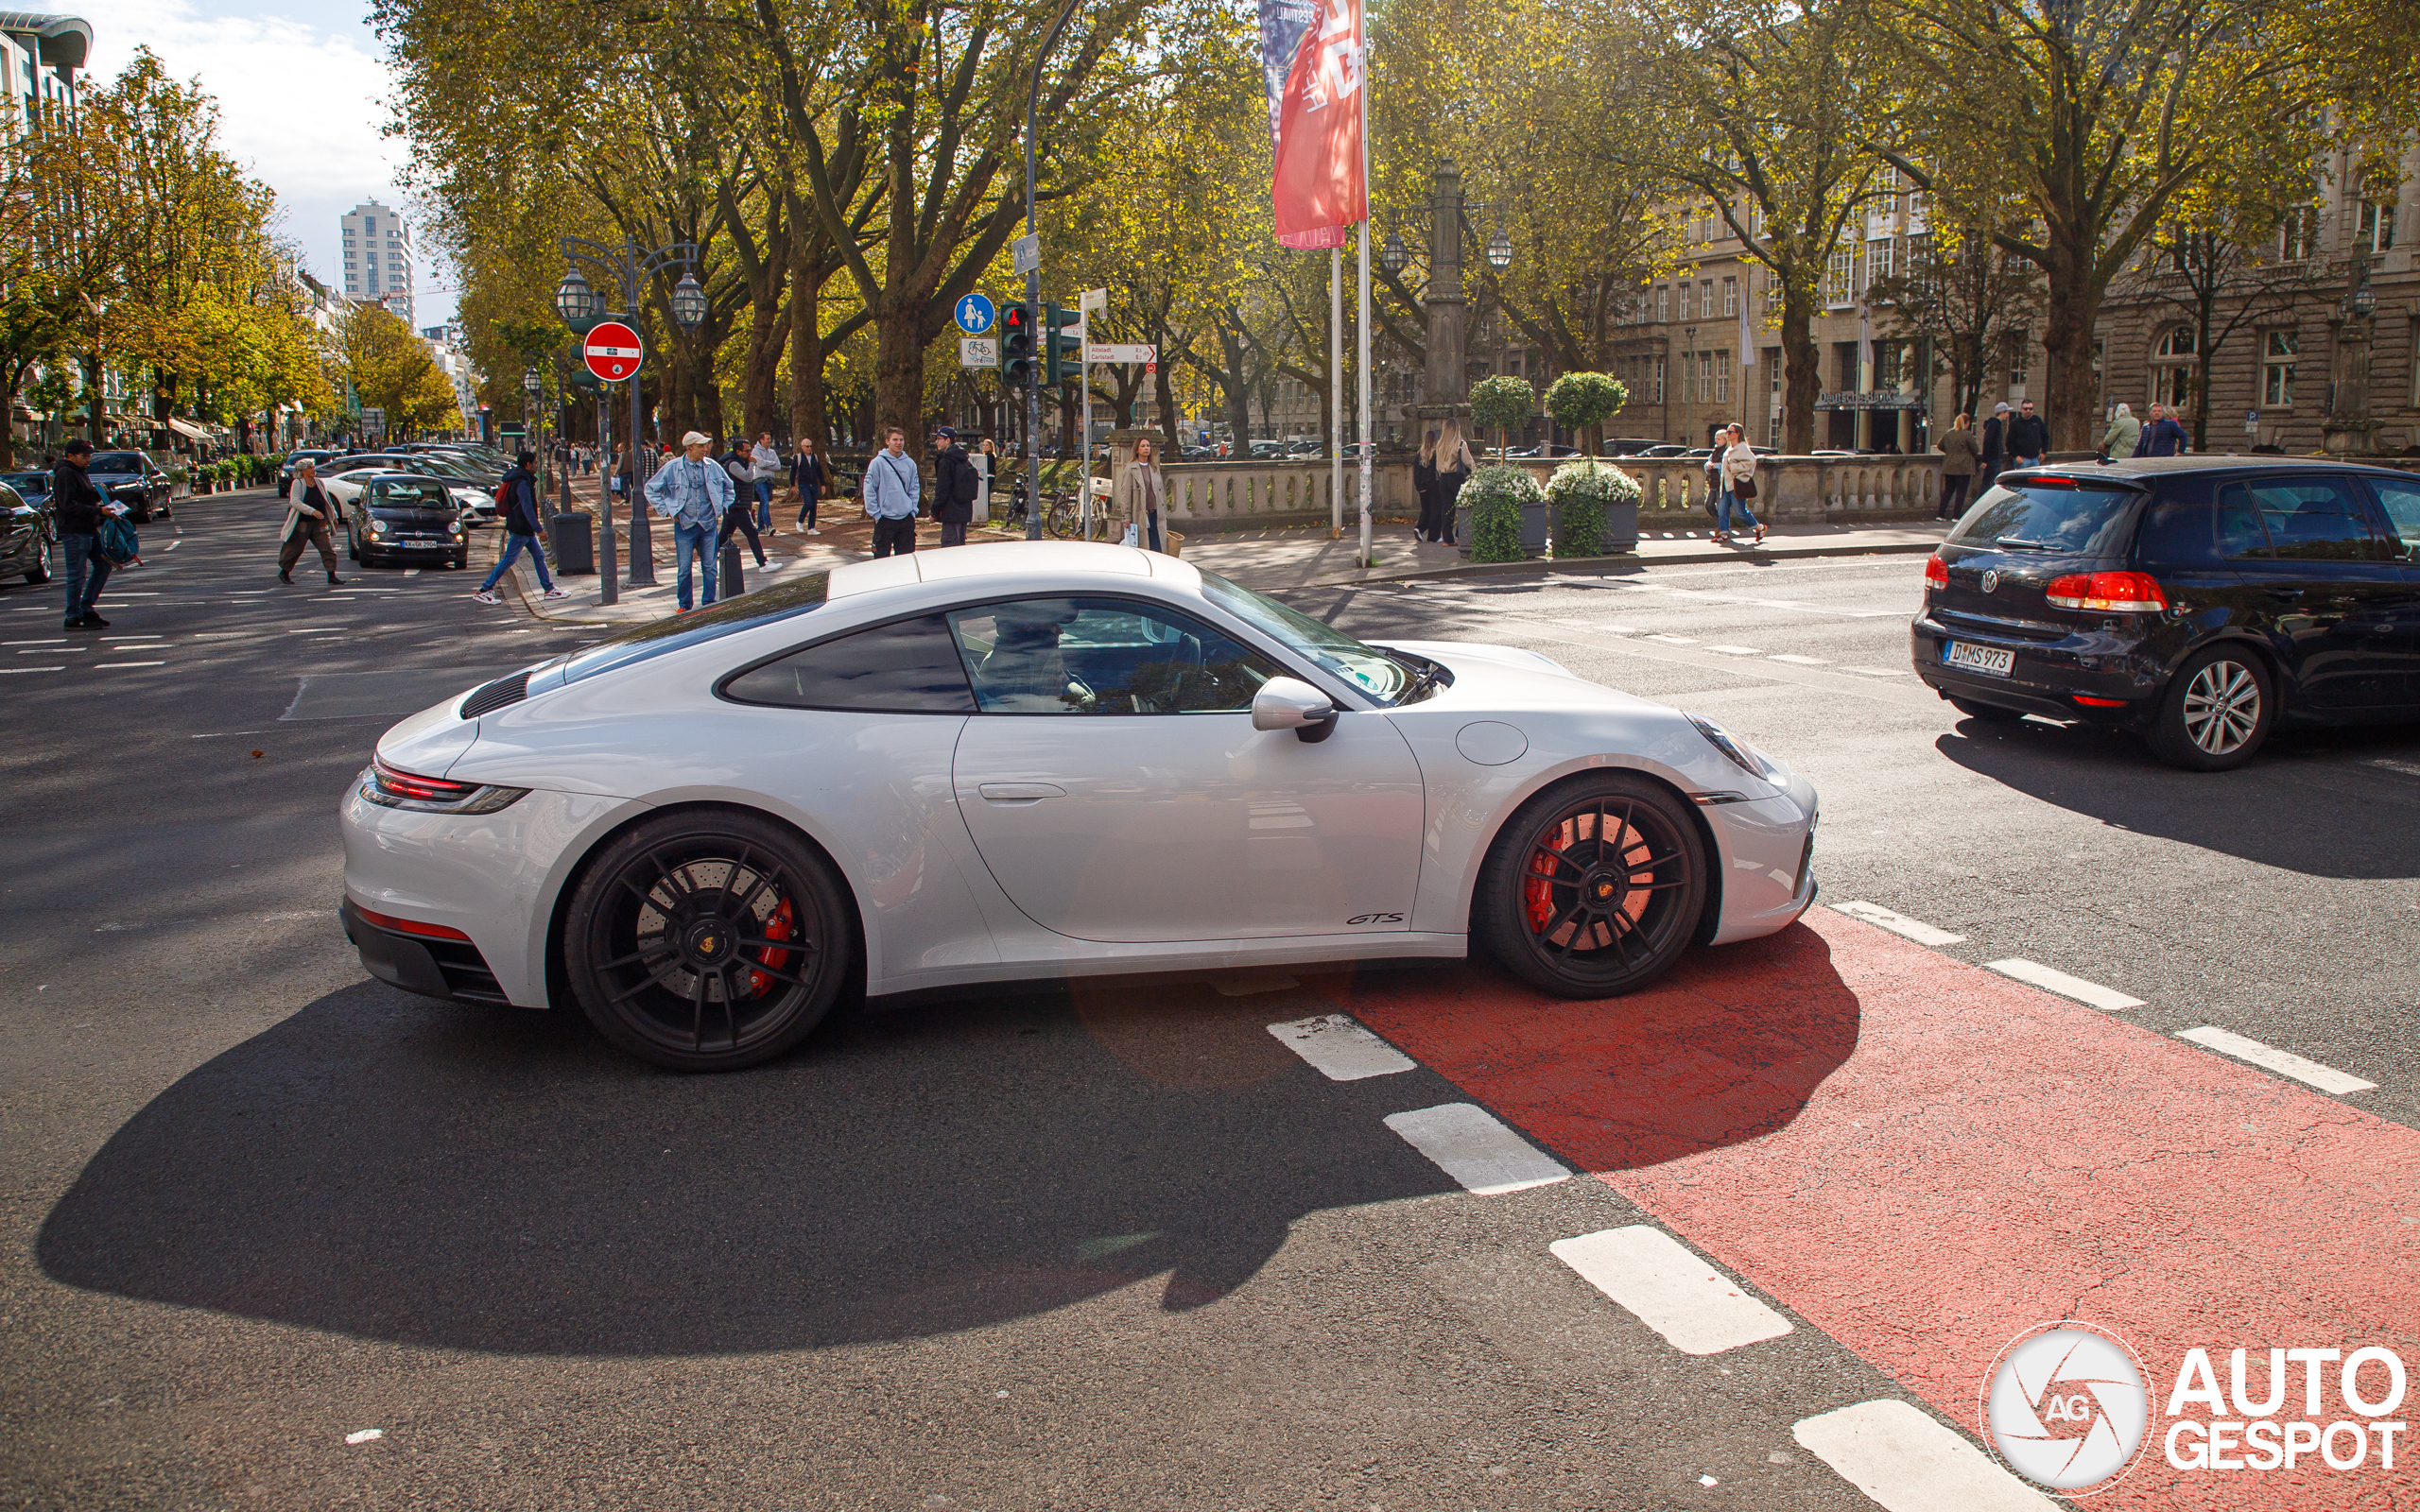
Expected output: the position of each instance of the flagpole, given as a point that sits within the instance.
(1335, 392)
(1369, 446)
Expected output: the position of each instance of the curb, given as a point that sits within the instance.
(1630, 561)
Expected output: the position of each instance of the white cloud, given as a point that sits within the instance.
(302, 103)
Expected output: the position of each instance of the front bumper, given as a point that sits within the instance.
(2052, 678)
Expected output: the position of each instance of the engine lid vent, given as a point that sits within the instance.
(494, 696)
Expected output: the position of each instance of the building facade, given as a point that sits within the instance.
(378, 258)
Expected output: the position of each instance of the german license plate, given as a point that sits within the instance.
(1989, 660)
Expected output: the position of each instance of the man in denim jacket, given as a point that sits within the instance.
(692, 490)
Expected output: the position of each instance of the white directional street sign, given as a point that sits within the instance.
(1121, 352)
(979, 352)
(1026, 251)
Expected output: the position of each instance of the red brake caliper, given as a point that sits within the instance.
(777, 927)
(1537, 892)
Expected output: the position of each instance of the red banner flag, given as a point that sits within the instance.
(1311, 64)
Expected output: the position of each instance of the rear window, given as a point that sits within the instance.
(2047, 516)
(779, 602)
(117, 462)
(409, 496)
(905, 667)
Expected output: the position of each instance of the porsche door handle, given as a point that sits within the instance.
(1019, 791)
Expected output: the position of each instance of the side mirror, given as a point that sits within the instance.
(1287, 703)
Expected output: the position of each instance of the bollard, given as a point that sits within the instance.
(572, 539)
(728, 583)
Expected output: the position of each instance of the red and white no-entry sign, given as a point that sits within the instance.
(613, 351)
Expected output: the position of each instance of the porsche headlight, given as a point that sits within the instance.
(1744, 756)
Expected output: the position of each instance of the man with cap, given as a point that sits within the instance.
(1994, 430)
(692, 490)
(955, 486)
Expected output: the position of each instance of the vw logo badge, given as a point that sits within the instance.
(1992, 580)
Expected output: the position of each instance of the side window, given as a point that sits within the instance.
(1102, 656)
(2179, 530)
(905, 667)
(2312, 519)
(2399, 501)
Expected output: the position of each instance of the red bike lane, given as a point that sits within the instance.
(1924, 1159)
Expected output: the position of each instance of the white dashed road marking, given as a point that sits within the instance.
(32, 669)
(1899, 924)
(1471, 1147)
(1698, 1308)
(1339, 1049)
(1734, 650)
(2092, 994)
(2284, 1062)
(1674, 640)
(1803, 661)
(1910, 1463)
(105, 666)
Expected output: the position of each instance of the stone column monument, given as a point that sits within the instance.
(1444, 389)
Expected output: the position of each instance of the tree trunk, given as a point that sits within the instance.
(1802, 372)
(1167, 408)
(2066, 340)
(807, 416)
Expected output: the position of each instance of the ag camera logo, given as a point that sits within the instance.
(2066, 1407)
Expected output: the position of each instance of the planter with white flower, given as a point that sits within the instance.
(1596, 508)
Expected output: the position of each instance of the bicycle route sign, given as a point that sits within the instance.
(612, 351)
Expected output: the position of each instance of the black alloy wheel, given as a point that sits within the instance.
(351, 544)
(707, 940)
(2216, 711)
(39, 571)
(1593, 887)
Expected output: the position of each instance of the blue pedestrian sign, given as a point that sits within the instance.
(974, 315)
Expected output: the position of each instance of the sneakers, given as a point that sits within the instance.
(284, 576)
(91, 622)
(554, 593)
(812, 532)
(1760, 534)
(486, 597)
(334, 581)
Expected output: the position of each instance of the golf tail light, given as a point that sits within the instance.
(385, 785)
(1936, 572)
(2114, 593)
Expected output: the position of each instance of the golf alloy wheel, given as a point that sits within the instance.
(1595, 888)
(707, 940)
(2217, 709)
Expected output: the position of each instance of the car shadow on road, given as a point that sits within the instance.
(2340, 803)
(390, 1168)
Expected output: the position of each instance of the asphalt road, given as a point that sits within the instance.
(1099, 1248)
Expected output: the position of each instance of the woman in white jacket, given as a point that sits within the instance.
(1738, 469)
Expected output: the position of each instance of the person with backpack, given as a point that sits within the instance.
(516, 500)
(77, 509)
(955, 486)
(310, 520)
(745, 508)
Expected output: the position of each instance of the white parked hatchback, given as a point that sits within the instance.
(1038, 761)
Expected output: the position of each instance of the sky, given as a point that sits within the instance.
(301, 90)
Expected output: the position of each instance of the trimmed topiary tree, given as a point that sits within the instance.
(1583, 490)
(1496, 494)
(1501, 403)
(1582, 402)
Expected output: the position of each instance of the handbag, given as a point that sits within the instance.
(1744, 488)
(1133, 536)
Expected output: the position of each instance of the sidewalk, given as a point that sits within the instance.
(1264, 559)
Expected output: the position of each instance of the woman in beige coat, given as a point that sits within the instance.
(1959, 457)
(1143, 495)
(310, 520)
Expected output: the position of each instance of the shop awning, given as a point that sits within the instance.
(187, 428)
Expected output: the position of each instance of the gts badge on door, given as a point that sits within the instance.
(1375, 919)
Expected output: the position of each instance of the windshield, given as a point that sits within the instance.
(672, 633)
(2041, 515)
(1365, 666)
(117, 462)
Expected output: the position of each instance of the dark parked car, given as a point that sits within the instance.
(132, 480)
(1630, 446)
(398, 517)
(25, 532)
(294, 459)
(2198, 600)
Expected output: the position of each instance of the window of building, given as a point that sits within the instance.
(2376, 231)
(1660, 363)
(1838, 273)
(1662, 302)
(1723, 375)
(2172, 366)
(2278, 350)
(1879, 260)
(2298, 234)
(1772, 293)
(1730, 295)
(2017, 342)
(1705, 297)
(1687, 304)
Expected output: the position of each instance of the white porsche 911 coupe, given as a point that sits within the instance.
(1038, 760)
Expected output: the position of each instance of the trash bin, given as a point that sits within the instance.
(574, 539)
(728, 583)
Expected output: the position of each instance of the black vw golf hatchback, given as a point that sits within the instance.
(2197, 600)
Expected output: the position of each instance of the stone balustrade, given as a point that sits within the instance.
(1267, 495)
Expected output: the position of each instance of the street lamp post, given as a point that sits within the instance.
(1446, 219)
(534, 388)
(576, 302)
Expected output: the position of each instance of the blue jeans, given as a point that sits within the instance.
(1730, 502)
(512, 547)
(82, 559)
(700, 540)
(764, 503)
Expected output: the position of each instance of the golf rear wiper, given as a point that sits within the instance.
(2023, 543)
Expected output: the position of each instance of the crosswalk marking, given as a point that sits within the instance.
(1339, 1049)
(1803, 661)
(2284, 1062)
(2091, 994)
(1898, 923)
(1467, 1144)
(1697, 1309)
(1908, 1462)
(1735, 650)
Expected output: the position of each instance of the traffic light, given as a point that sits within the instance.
(1017, 323)
(1065, 360)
